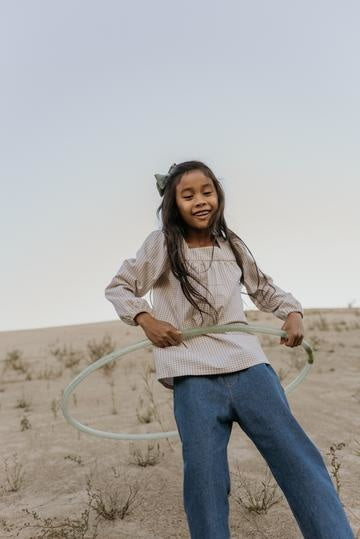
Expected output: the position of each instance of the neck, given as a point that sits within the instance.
(199, 238)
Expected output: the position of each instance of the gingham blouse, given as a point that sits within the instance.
(204, 354)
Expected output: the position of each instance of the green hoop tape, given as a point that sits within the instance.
(227, 328)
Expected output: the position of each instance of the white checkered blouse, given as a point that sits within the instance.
(205, 354)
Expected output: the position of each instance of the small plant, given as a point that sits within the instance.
(340, 325)
(257, 499)
(357, 451)
(14, 361)
(25, 423)
(24, 404)
(8, 528)
(50, 373)
(101, 349)
(144, 415)
(74, 458)
(68, 528)
(153, 406)
(112, 385)
(109, 502)
(150, 458)
(54, 406)
(67, 356)
(14, 474)
(335, 465)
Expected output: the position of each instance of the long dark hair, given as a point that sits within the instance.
(174, 230)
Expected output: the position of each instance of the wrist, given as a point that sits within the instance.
(142, 318)
(295, 313)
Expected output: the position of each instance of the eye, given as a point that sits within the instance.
(207, 193)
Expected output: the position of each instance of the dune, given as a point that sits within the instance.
(58, 481)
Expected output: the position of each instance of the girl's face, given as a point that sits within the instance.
(196, 193)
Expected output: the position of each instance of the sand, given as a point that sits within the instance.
(50, 468)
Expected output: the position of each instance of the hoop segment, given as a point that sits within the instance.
(227, 328)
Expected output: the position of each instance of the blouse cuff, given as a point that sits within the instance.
(129, 319)
(283, 312)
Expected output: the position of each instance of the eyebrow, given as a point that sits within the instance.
(191, 189)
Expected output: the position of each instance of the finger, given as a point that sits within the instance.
(171, 342)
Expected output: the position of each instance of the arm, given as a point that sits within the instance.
(136, 277)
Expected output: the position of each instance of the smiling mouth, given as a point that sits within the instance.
(202, 214)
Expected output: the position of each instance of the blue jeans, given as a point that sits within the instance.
(205, 407)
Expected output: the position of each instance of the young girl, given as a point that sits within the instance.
(195, 266)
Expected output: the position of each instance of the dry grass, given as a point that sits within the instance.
(357, 451)
(97, 350)
(67, 356)
(106, 500)
(14, 474)
(15, 362)
(25, 423)
(335, 464)
(24, 404)
(50, 373)
(66, 528)
(74, 458)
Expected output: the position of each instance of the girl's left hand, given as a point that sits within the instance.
(293, 326)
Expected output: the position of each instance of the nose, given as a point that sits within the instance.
(200, 201)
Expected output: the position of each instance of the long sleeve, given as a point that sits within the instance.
(278, 301)
(136, 277)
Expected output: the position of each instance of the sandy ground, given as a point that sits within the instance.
(50, 468)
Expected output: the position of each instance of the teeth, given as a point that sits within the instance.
(202, 213)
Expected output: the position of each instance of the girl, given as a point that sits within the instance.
(195, 266)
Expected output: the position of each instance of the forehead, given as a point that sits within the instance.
(193, 180)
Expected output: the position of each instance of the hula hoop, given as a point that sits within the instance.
(227, 328)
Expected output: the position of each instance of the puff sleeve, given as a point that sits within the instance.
(136, 277)
(278, 301)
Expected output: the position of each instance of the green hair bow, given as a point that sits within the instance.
(161, 179)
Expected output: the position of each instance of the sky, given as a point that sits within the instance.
(97, 97)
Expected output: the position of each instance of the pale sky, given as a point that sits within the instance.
(96, 97)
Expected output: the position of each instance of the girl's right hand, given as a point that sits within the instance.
(159, 332)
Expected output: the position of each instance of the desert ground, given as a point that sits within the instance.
(56, 481)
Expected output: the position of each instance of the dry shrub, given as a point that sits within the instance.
(112, 499)
(144, 413)
(150, 458)
(68, 357)
(50, 373)
(335, 464)
(103, 348)
(14, 361)
(67, 528)
(24, 404)
(25, 423)
(255, 498)
(357, 451)
(14, 474)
